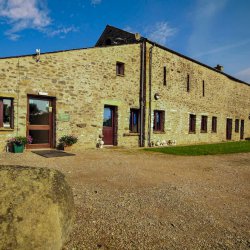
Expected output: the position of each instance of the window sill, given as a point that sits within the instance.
(192, 133)
(159, 132)
(203, 132)
(6, 129)
(214, 132)
(131, 134)
(120, 75)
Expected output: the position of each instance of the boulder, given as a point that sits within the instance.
(36, 208)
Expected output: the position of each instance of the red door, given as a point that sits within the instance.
(40, 120)
(108, 125)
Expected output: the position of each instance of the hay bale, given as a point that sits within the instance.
(36, 208)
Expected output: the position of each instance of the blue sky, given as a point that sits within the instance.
(211, 31)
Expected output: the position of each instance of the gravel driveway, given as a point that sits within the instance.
(130, 199)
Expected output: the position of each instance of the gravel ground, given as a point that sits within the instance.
(130, 199)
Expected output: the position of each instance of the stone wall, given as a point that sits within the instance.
(82, 81)
(224, 98)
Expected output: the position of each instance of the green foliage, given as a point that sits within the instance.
(68, 140)
(20, 140)
(205, 149)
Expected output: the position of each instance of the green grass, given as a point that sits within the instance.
(205, 149)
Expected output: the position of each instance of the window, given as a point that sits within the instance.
(120, 68)
(237, 125)
(165, 75)
(203, 88)
(188, 83)
(6, 113)
(203, 124)
(192, 123)
(159, 118)
(214, 124)
(134, 120)
(108, 41)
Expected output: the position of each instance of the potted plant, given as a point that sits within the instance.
(18, 143)
(66, 141)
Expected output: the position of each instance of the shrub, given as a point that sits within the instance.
(68, 140)
(20, 140)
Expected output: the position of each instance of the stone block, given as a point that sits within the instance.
(36, 208)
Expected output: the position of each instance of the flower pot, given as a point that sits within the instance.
(18, 148)
(67, 148)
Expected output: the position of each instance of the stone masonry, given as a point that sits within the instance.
(84, 80)
(223, 98)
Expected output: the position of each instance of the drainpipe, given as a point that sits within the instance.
(150, 94)
(142, 93)
(18, 98)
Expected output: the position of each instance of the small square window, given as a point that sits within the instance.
(203, 124)
(214, 124)
(134, 121)
(192, 123)
(159, 120)
(6, 113)
(120, 68)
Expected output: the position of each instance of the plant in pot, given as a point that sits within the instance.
(66, 141)
(18, 143)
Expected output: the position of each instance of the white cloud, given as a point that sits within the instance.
(204, 19)
(223, 48)
(244, 75)
(129, 29)
(160, 32)
(95, 2)
(29, 14)
(62, 31)
(23, 14)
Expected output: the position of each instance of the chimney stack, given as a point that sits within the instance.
(219, 67)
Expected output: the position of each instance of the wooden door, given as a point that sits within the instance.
(242, 129)
(229, 129)
(108, 125)
(40, 120)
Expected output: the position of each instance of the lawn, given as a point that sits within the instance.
(205, 149)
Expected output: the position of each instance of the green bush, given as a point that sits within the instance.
(20, 140)
(68, 140)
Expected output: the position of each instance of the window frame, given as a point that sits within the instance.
(2, 98)
(165, 76)
(204, 120)
(214, 124)
(237, 126)
(159, 127)
(188, 83)
(120, 68)
(192, 123)
(132, 127)
(203, 88)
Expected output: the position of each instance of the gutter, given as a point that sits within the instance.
(150, 94)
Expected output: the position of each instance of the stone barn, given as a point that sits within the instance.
(128, 89)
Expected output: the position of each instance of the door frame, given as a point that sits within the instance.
(52, 136)
(114, 123)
